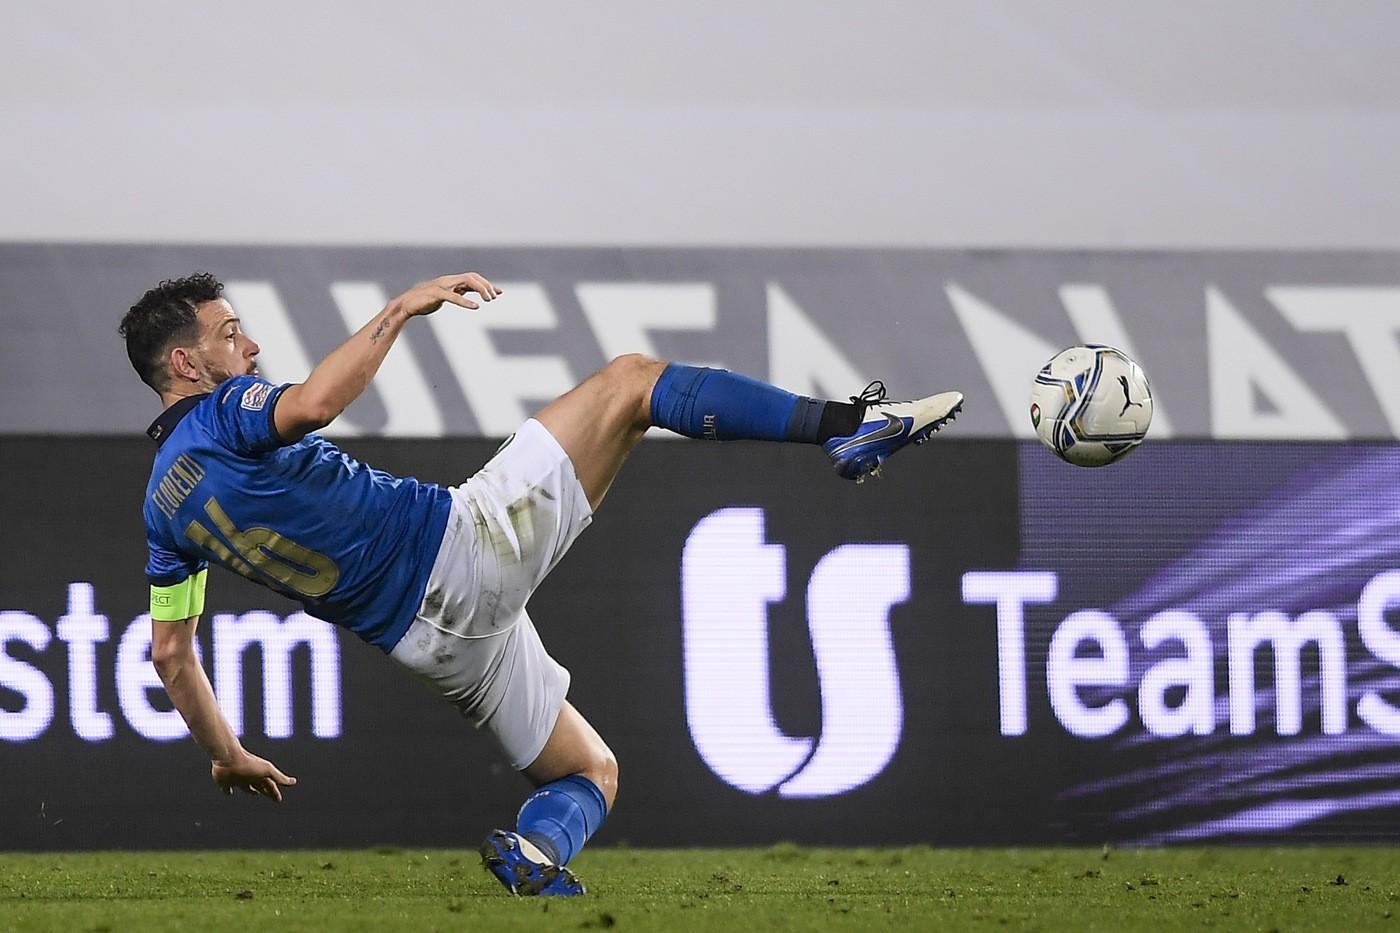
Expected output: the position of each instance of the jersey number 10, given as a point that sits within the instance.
(264, 553)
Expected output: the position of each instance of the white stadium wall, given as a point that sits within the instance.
(1093, 123)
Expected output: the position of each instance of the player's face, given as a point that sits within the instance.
(224, 350)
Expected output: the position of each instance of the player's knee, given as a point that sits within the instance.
(630, 378)
(634, 369)
(602, 771)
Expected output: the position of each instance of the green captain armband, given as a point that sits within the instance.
(181, 601)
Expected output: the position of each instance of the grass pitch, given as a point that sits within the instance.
(781, 888)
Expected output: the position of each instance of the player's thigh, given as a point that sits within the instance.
(602, 419)
(526, 508)
(575, 747)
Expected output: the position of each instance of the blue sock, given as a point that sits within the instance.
(718, 405)
(561, 815)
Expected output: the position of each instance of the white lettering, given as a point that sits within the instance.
(276, 639)
(801, 358)
(1010, 591)
(136, 675)
(622, 314)
(1195, 672)
(496, 386)
(1370, 318)
(82, 628)
(848, 609)
(1066, 671)
(1286, 638)
(33, 718)
(728, 578)
(1010, 355)
(1379, 596)
(729, 575)
(1241, 362)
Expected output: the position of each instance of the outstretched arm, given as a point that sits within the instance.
(172, 651)
(340, 378)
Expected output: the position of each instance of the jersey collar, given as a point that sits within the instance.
(160, 428)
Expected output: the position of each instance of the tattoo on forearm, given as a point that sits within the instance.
(379, 331)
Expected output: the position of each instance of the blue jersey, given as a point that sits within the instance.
(353, 544)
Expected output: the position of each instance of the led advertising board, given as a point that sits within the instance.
(987, 646)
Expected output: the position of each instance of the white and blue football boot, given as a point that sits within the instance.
(886, 427)
(524, 870)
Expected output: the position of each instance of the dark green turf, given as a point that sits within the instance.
(780, 888)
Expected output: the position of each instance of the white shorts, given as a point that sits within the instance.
(472, 640)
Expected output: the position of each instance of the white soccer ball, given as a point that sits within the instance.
(1091, 405)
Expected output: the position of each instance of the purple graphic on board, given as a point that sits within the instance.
(1271, 568)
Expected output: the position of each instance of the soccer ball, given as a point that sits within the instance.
(1091, 405)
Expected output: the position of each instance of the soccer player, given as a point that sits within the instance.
(437, 577)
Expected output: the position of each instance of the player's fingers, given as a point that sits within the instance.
(470, 284)
(456, 299)
(283, 779)
(475, 282)
(269, 789)
(483, 287)
(457, 283)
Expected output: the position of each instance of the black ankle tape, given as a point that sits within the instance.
(838, 419)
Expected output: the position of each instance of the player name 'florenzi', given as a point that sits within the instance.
(177, 483)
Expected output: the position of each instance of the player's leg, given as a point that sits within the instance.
(576, 783)
(575, 777)
(602, 419)
(559, 751)
(576, 748)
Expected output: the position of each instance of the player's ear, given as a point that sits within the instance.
(182, 364)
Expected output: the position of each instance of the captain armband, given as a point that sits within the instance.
(180, 601)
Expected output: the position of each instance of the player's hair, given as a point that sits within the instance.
(164, 318)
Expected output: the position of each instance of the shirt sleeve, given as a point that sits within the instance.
(177, 583)
(243, 414)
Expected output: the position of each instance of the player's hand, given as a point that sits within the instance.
(427, 297)
(252, 775)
